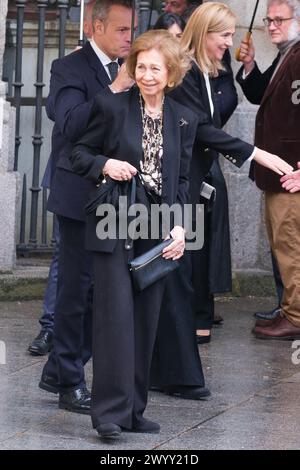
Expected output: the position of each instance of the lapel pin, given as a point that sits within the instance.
(183, 122)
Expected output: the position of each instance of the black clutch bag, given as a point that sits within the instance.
(151, 266)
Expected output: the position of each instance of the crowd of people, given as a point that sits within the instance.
(152, 111)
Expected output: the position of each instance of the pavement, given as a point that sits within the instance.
(255, 402)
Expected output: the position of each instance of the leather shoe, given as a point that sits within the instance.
(78, 401)
(201, 339)
(282, 328)
(267, 322)
(218, 319)
(156, 388)
(146, 426)
(48, 384)
(188, 392)
(42, 344)
(109, 431)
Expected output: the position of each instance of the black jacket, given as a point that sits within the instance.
(75, 80)
(115, 131)
(210, 138)
(225, 93)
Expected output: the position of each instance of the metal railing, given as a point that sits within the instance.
(34, 237)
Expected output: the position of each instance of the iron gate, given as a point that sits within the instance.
(44, 17)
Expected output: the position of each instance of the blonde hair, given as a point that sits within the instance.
(177, 61)
(211, 17)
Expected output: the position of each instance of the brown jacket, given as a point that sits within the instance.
(277, 128)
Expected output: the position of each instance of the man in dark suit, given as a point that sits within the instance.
(43, 343)
(75, 80)
(277, 131)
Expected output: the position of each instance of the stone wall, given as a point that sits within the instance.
(250, 250)
(9, 180)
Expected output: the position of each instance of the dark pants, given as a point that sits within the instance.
(176, 359)
(124, 330)
(203, 298)
(73, 309)
(47, 318)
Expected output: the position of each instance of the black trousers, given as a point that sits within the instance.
(176, 359)
(124, 329)
(203, 302)
(73, 309)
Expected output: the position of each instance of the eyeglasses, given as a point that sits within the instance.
(277, 21)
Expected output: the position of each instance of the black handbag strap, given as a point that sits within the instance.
(129, 240)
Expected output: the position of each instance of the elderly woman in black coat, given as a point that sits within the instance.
(140, 130)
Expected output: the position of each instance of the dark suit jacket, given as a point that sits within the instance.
(226, 99)
(75, 80)
(225, 93)
(115, 131)
(210, 139)
(278, 118)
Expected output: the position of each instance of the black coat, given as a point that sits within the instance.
(75, 80)
(226, 100)
(115, 131)
(210, 140)
(225, 94)
(256, 83)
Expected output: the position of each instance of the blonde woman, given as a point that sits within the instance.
(207, 36)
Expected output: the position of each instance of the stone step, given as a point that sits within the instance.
(27, 282)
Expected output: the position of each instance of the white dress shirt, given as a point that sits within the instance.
(104, 59)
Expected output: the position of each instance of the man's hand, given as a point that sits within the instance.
(118, 170)
(291, 182)
(247, 54)
(122, 82)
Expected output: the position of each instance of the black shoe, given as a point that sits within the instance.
(146, 426)
(109, 431)
(156, 388)
(42, 344)
(201, 339)
(188, 392)
(218, 319)
(78, 401)
(48, 384)
(270, 315)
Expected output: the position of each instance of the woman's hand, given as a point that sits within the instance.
(119, 170)
(291, 182)
(176, 249)
(272, 162)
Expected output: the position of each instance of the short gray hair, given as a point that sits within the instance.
(293, 4)
(102, 7)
